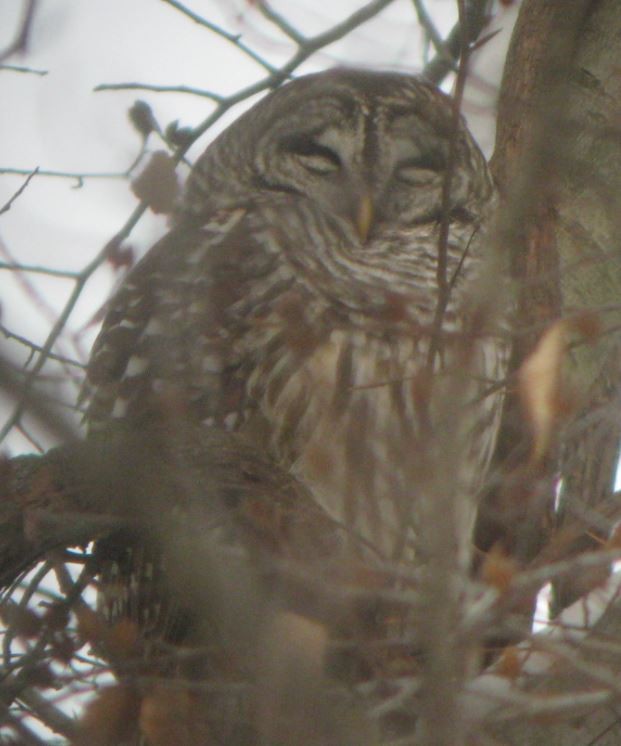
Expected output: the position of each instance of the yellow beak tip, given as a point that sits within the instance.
(364, 217)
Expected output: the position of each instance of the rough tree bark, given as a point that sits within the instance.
(558, 161)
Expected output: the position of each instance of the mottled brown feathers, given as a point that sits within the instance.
(297, 298)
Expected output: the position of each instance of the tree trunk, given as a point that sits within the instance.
(558, 163)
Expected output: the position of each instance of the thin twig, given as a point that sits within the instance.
(38, 269)
(232, 38)
(51, 715)
(7, 206)
(27, 737)
(80, 282)
(37, 348)
(78, 176)
(159, 89)
(473, 21)
(27, 435)
(12, 382)
(434, 35)
(306, 50)
(281, 23)
(64, 174)
(23, 69)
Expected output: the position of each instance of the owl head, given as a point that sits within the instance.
(373, 148)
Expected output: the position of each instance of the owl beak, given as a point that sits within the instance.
(364, 216)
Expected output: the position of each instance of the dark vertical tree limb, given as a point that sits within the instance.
(554, 156)
(558, 165)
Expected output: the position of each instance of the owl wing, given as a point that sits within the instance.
(173, 336)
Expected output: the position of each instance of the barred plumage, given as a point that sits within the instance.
(297, 300)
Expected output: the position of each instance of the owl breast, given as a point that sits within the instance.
(348, 395)
(360, 422)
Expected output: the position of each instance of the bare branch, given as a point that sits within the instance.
(37, 348)
(432, 32)
(281, 23)
(470, 25)
(305, 51)
(22, 69)
(233, 38)
(78, 176)
(7, 206)
(16, 267)
(159, 89)
(80, 282)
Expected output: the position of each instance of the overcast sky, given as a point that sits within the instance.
(57, 122)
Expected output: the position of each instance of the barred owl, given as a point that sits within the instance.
(318, 295)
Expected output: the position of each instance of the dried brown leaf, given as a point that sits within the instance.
(122, 639)
(119, 255)
(91, 626)
(539, 382)
(63, 648)
(498, 569)
(23, 622)
(110, 718)
(141, 116)
(157, 185)
(171, 716)
(510, 663)
(56, 617)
